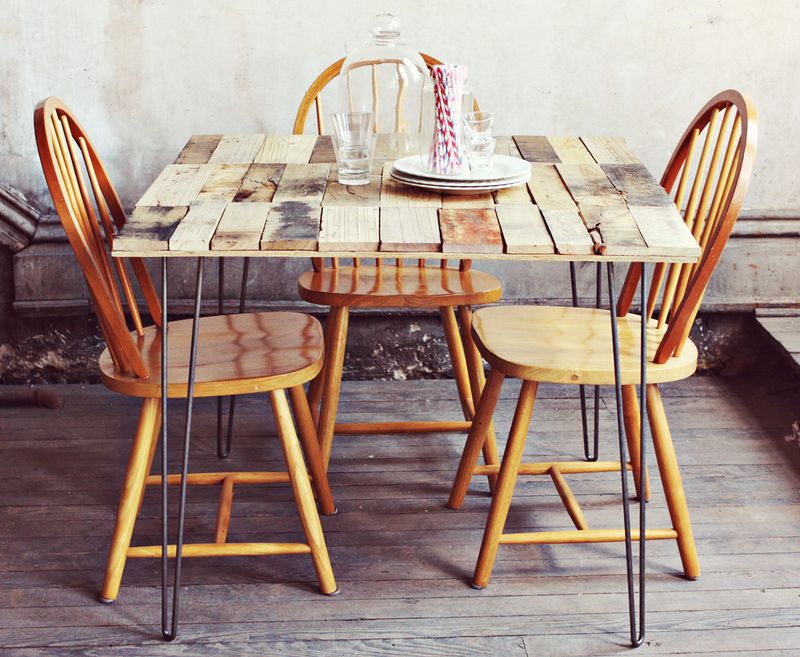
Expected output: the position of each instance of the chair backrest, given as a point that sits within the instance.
(312, 95)
(68, 159)
(707, 177)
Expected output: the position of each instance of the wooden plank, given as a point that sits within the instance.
(506, 146)
(663, 230)
(548, 190)
(259, 183)
(241, 227)
(291, 225)
(323, 151)
(571, 150)
(237, 149)
(177, 184)
(222, 183)
(589, 183)
(349, 229)
(196, 229)
(609, 150)
(524, 229)
(286, 149)
(337, 194)
(396, 194)
(149, 228)
(617, 228)
(302, 182)
(410, 229)
(198, 149)
(470, 231)
(636, 184)
(468, 201)
(518, 193)
(568, 231)
(536, 149)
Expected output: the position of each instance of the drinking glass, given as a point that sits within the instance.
(480, 143)
(354, 146)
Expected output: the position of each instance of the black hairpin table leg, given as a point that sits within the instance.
(637, 634)
(588, 455)
(169, 630)
(222, 452)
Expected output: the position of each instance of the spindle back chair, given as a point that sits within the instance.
(268, 353)
(707, 176)
(66, 152)
(468, 288)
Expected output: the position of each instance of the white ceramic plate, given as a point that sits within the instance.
(503, 167)
(459, 184)
(433, 186)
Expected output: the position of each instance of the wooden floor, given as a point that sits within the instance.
(403, 560)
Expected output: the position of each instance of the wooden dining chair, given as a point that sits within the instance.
(266, 352)
(707, 177)
(452, 290)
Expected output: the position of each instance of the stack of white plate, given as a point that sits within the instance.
(505, 171)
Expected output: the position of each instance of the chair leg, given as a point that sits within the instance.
(477, 379)
(132, 491)
(308, 440)
(315, 387)
(505, 484)
(332, 383)
(458, 359)
(671, 480)
(630, 410)
(475, 438)
(303, 495)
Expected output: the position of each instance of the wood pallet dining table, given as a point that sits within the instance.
(257, 195)
(588, 198)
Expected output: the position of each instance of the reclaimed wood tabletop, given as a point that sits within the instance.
(588, 198)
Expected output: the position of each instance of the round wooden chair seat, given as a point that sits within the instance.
(389, 286)
(236, 354)
(553, 344)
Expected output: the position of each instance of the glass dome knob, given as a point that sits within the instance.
(385, 27)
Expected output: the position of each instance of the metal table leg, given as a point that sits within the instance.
(589, 455)
(222, 453)
(169, 630)
(636, 634)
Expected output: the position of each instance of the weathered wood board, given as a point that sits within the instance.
(636, 184)
(568, 231)
(610, 150)
(237, 149)
(470, 231)
(536, 149)
(259, 183)
(286, 149)
(349, 228)
(197, 227)
(410, 229)
(223, 182)
(241, 227)
(149, 227)
(302, 182)
(524, 229)
(198, 149)
(291, 225)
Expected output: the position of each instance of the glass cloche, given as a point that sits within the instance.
(385, 77)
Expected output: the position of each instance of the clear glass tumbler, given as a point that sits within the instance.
(480, 142)
(354, 146)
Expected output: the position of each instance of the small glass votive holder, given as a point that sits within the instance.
(354, 146)
(480, 142)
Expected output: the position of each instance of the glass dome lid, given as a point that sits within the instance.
(387, 78)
